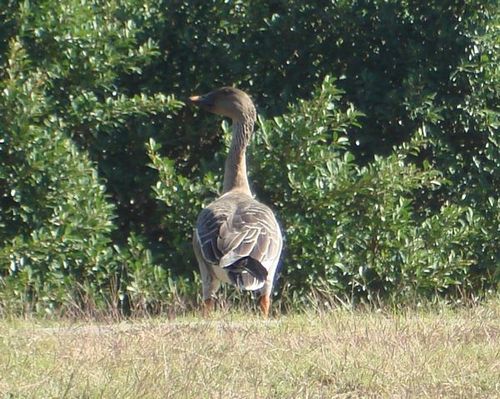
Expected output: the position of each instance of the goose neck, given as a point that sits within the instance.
(235, 173)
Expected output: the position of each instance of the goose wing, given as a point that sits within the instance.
(229, 230)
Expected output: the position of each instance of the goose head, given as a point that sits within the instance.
(226, 101)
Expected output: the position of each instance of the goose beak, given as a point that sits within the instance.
(199, 100)
(205, 102)
(195, 99)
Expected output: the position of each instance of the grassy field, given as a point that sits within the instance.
(339, 354)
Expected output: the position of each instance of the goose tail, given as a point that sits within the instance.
(247, 273)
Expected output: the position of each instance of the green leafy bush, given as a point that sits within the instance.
(388, 187)
(56, 222)
(63, 109)
(150, 288)
(361, 231)
(351, 231)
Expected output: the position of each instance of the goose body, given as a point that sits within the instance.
(240, 239)
(237, 239)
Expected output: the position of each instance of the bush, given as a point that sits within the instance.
(387, 187)
(351, 231)
(56, 222)
(362, 231)
(63, 110)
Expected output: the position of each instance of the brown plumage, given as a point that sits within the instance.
(237, 239)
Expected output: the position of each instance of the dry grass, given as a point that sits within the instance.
(341, 354)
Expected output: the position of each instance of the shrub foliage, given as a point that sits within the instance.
(377, 144)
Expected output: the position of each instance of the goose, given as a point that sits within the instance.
(236, 240)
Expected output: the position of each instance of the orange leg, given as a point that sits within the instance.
(265, 303)
(208, 306)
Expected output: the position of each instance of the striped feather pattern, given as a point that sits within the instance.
(234, 227)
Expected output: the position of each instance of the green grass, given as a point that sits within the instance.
(444, 352)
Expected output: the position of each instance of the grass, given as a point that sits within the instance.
(444, 352)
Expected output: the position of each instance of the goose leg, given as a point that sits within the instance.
(265, 294)
(210, 284)
(265, 303)
(208, 306)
